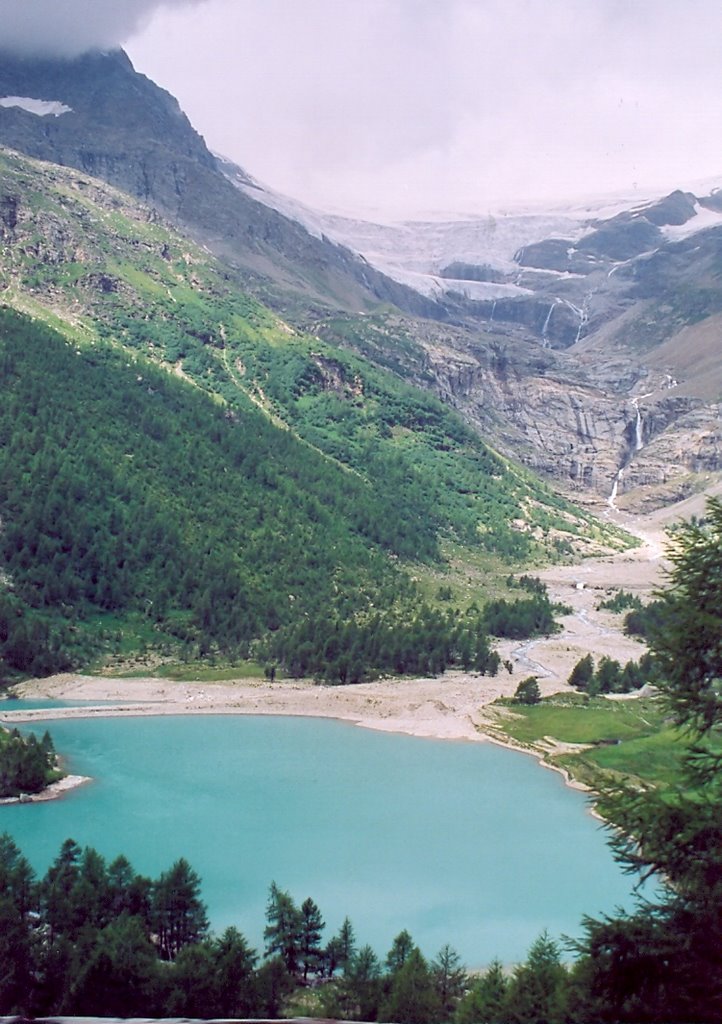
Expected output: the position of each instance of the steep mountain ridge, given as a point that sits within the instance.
(578, 416)
(121, 127)
(87, 258)
(583, 341)
(607, 376)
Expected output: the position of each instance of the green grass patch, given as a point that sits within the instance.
(473, 575)
(656, 758)
(576, 718)
(630, 738)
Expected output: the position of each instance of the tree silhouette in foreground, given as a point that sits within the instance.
(664, 962)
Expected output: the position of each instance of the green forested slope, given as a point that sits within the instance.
(97, 265)
(182, 459)
(125, 489)
(130, 493)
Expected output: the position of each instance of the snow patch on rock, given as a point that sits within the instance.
(703, 218)
(43, 108)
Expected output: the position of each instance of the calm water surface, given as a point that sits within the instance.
(465, 843)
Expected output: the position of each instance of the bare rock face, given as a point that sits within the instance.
(559, 428)
(541, 407)
(606, 376)
(599, 361)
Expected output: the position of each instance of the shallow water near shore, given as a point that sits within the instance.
(459, 842)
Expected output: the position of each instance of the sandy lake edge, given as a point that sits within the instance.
(448, 707)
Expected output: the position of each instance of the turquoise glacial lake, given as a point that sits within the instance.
(459, 842)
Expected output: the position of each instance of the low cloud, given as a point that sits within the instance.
(67, 28)
(422, 105)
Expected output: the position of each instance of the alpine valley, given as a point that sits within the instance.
(243, 438)
(236, 425)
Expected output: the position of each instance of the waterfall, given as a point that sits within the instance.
(493, 307)
(638, 438)
(582, 312)
(638, 430)
(545, 343)
(612, 499)
(636, 446)
(582, 322)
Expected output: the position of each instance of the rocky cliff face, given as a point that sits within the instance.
(561, 327)
(597, 355)
(619, 430)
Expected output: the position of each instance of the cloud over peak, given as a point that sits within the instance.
(67, 28)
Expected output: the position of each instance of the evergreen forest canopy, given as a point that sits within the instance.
(129, 493)
(27, 765)
(95, 938)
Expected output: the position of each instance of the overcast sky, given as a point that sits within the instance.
(412, 105)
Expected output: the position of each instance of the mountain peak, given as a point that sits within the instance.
(121, 127)
(108, 100)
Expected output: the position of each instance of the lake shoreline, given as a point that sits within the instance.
(54, 791)
(444, 707)
(448, 707)
(186, 786)
(451, 706)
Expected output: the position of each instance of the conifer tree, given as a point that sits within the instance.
(363, 981)
(17, 879)
(662, 963)
(15, 958)
(311, 928)
(283, 931)
(582, 674)
(56, 890)
(346, 943)
(400, 950)
(178, 913)
(412, 998)
(537, 991)
(234, 964)
(485, 999)
(449, 978)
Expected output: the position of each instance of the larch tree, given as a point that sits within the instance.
(449, 978)
(283, 931)
(178, 913)
(400, 950)
(664, 962)
(311, 929)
